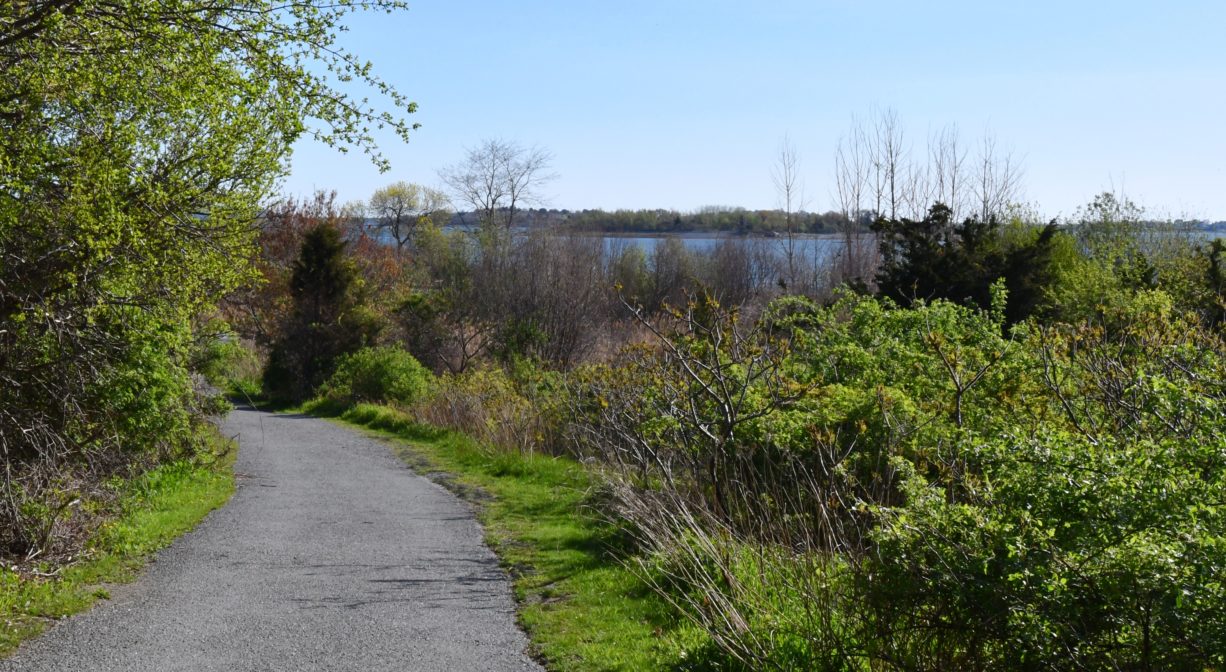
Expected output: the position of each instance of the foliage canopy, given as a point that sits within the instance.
(137, 141)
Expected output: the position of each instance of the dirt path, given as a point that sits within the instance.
(332, 555)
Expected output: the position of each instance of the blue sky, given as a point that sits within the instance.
(681, 104)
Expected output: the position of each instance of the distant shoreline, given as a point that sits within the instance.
(692, 234)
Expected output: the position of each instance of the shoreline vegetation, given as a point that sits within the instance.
(963, 445)
(719, 220)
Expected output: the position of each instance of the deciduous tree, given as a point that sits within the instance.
(497, 178)
(400, 207)
(137, 140)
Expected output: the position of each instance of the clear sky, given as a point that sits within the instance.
(681, 104)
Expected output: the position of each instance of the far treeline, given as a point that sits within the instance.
(723, 220)
(711, 219)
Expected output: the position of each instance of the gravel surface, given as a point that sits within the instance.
(332, 555)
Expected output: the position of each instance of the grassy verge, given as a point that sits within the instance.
(581, 607)
(156, 508)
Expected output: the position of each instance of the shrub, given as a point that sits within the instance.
(913, 489)
(517, 408)
(383, 374)
(230, 364)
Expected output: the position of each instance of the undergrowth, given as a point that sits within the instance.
(154, 509)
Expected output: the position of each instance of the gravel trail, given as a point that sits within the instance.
(332, 555)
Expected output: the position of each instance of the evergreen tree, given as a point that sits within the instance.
(935, 258)
(326, 321)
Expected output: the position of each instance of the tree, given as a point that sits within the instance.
(497, 178)
(137, 140)
(448, 325)
(875, 176)
(997, 180)
(259, 310)
(324, 323)
(874, 171)
(786, 176)
(400, 207)
(936, 258)
(852, 163)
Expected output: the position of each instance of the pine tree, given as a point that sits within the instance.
(326, 321)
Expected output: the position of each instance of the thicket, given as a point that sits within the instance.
(921, 488)
(555, 299)
(868, 486)
(1007, 451)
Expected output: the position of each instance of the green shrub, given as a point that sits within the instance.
(521, 406)
(383, 374)
(932, 492)
(231, 364)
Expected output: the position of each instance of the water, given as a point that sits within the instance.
(805, 246)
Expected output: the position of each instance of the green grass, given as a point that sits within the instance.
(579, 604)
(155, 509)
